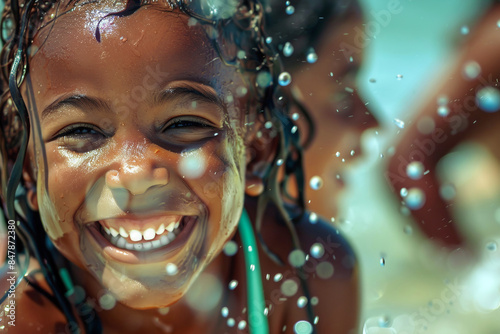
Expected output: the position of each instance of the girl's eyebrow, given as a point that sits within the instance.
(80, 101)
(187, 92)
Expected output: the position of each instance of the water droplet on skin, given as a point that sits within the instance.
(399, 123)
(317, 250)
(442, 100)
(107, 301)
(337, 154)
(488, 99)
(284, 79)
(415, 170)
(268, 124)
(443, 111)
(399, 76)
(324, 270)
(171, 269)
(192, 165)
(415, 199)
(269, 40)
(313, 218)
(242, 325)
(278, 277)
(297, 258)
(471, 70)
(264, 79)
(294, 129)
(302, 302)
(302, 327)
(316, 182)
(290, 10)
(316, 320)
(233, 284)
(491, 246)
(464, 30)
(403, 192)
(241, 54)
(314, 301)
(288, 49)
(295, 116)
(352, 153)
(230, 248)
(289, 287)
(498, 23)
(231, 322)
(224, 311)
(312, 57)
(279, 162)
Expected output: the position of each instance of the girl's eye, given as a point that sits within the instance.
(80, 138)
(182, 131)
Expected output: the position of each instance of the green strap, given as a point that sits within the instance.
(257, 320)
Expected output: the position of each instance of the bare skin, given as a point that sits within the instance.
(466, 121)
(97, 166)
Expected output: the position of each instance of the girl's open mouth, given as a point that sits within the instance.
(134, 241)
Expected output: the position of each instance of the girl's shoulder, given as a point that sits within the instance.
(25, 309)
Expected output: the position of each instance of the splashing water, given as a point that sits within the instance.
(302, 327)
(288, 49)
(488, 99)
(284, 79)
(264, 79)
(415, 199)
(471, 70)
(312, 57)
(316, 182)
(317, 250)
(443, 111)
(289, 287)
(297, 258)
(233, 284)
(399, 123)
(171, 269)
(230, 248)
(302, 302)
(290, 10)
(415, 170)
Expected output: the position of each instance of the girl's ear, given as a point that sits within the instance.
(30, 185)
(260, 152)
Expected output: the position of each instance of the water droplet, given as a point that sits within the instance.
(316, 320)
(464, 30)
(491, 246)
(290, 10)
(372, 80)
(415, 170)
(231, 322)
(297, 258)
(288, 49)
(488, 99)
(382, 261)
(268, 124)
(415, 199)
(471, 70)
(426, 125)
(294, 129)
(278, 277)
(324, 270)
(447, 192)
(233, 284)
(289, 287)
(498, 23)
(295, 116)
(192, 165)
(312, 57)
(284, 79)
(224, 311)
(279, 162)
(171, 269)
(314, 301)
(443, 111)
(399, 76)
(403, 192)
(313, 218)
(352, 153)
(383, 322)
(241, 91)
(164, 310)
(303, 327)
(337, 154)
(242, 325)
(399, 123)
(442, 100)
(264, 79)
(230, 248)
(408, 229)
(269, 40)
(107, 301)
(317, 250)
(241, 54)
(302, 302)
(316, 182)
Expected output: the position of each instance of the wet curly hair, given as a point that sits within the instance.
(242, 29)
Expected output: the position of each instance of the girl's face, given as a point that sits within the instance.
(138, 148)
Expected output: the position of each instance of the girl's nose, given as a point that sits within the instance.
(137, 176)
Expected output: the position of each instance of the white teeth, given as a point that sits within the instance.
(149, 234)
(135, 235)
(170, 227)
(138, 246)
(177, 224)
(114, 232)
(123, 233)
(160, 229)
(106, 229)
(156, 243)
(121, 243)
(171, 236)
(129, 246)
(164, 240)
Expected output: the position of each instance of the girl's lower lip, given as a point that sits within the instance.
(141, 257)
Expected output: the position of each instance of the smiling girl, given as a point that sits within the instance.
(151, 126)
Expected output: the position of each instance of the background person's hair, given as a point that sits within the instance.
(242, 27)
